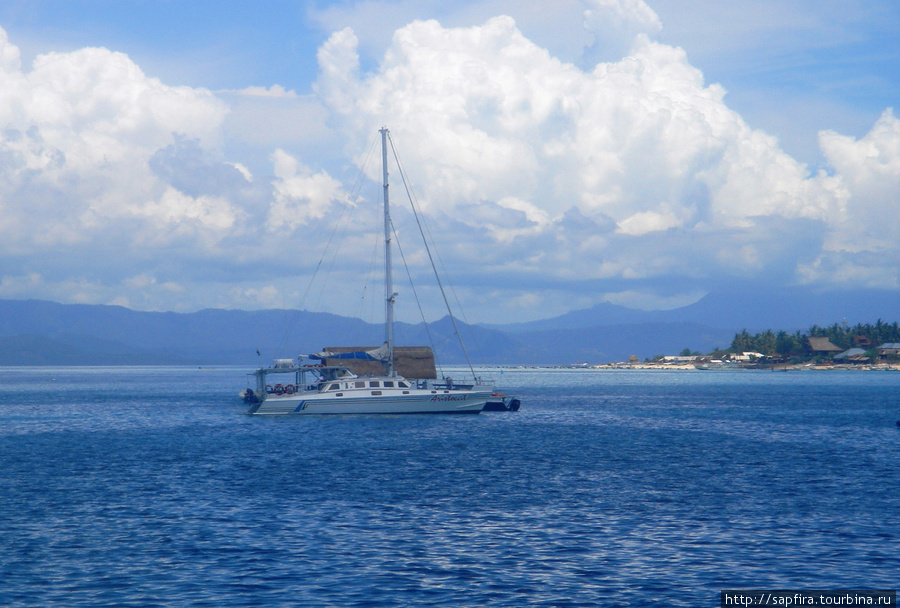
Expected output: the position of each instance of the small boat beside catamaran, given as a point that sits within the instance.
(326, 383)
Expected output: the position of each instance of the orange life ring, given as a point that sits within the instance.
(279, 389)
(289, 389)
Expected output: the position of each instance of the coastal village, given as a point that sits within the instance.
(823, 356)
(819, 353)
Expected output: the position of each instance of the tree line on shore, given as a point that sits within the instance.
(785, 345)
(867, 336)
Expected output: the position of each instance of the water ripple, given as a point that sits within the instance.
(605, 489)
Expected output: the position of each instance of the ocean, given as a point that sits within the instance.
(150, 486)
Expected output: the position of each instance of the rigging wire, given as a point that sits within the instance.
(376, 258)
(348, 203)
(425, 229)
(357, 186)
(430, 257)
(459, 307)
(416, 298)
(430, 238)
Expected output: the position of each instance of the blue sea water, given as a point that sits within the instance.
(152, 487)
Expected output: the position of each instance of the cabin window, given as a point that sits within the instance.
(360, 385)
(375, 384)
(388, 384)
(403, 385)
(334, 387)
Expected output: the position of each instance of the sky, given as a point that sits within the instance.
(173, 156)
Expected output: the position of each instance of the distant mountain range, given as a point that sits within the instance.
(755, 309)
(34, 332)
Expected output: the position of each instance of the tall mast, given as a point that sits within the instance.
(389, 294)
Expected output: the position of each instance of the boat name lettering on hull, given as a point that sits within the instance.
(450, 397)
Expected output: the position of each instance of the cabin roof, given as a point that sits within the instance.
(823, 345)
(409, 361)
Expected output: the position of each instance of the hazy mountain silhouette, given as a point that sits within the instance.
(754, 309)
(34, 332)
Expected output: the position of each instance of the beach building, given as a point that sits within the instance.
(823, 346)
(853, 355)
(889, 349)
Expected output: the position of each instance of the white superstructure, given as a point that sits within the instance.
(317, 389)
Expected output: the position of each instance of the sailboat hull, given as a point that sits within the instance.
(417, 402)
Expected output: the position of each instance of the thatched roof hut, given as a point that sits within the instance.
(823, 345)
(409, 361)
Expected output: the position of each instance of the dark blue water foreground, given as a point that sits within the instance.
(151, 487)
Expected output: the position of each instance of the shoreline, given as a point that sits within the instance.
(662, 367)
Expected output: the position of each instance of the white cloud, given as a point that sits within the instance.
(275, 91)
(10, 58)
(489, 117)
(80, 129)
(261, 123)
(244, 171)
(97, 106)
(862, 248)
(105, 172)
(648, 221)
(643, 300)
(615, 24)
(300, 194)
(174, 207)
(558, 182)
(267, 296)
(869, 170)
(20, 286)
(642, 141)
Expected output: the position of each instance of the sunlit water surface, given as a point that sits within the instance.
(152, 487)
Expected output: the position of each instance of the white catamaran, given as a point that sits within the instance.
(334, 389)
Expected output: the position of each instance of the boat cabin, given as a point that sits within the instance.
(360, 384)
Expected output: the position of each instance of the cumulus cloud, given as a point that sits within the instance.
(869, 171)
(548, 184)
(510, 144)
(82, 127)
(863, 248)
(300, 194)
(615, 25)
(101, 170)
(116, 188)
